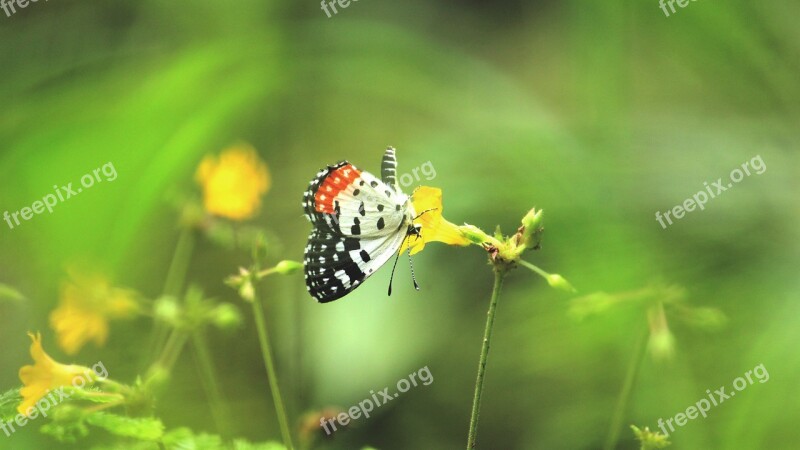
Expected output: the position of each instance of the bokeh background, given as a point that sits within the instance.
(599, 113)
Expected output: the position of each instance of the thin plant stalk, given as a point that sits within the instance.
(170, 353)
(176, 276)
(176, 273)
(635, 364)
(210, 383)
(499, 276)
(266, 353)
(534, 268)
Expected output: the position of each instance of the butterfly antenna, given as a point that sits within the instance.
(395, 265)
(392, 276)
(411, 264)
(423, 212)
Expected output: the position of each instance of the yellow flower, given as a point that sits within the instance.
(87, 303)
(233, 183)
(427, 201)
(46, 374)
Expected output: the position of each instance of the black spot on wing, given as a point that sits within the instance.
(326, 255)
(351, 244)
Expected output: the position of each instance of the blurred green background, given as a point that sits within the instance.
(600, 113)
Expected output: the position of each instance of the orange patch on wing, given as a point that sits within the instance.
(334, 183)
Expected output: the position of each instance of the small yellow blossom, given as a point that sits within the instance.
(46, 374)
(87, 303)
(233, 183)
(427, 201)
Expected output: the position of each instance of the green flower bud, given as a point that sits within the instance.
(474, 234)
(166, 309)
(662, 344)
(530, 234)
(226, 317)
(287, 267)
(557, 281)
(662, 341)
(247, 291)
(533, 219)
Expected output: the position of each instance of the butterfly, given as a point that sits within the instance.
(359, 222)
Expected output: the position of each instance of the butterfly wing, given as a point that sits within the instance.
(335, 265)
(347, 201)
(359, 224)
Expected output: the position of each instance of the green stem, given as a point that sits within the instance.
(534, 268)
(622, 402)
(169, 354)
(175, 349)
(266, 353)
(210, 383)
(104, 406)
(176, 275)
(499, 275)
(180, 263)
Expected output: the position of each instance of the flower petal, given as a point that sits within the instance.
(44, 375)
(233, 183)
(87, 302)
(427, 203)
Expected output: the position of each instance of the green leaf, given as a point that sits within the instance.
(69, 431)
(10, 294)
(9, 401)
(128, 446)
(178, 439)
(143, 428)
(185, 439)
(89, 395)
(244, 445)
